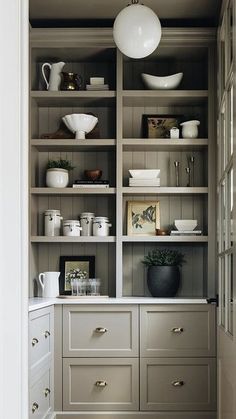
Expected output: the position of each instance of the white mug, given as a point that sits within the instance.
(49, 282)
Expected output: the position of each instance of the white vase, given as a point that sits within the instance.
(57, 178)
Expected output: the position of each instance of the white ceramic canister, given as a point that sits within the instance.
(101, 226)
(71, 228)
(57, 178)
(86, 219)
(52, 222)
(190, 129)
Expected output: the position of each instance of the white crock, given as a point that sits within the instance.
(57, 178)
(86, 219)
(71, 228)
(52, 222)
(190, 129)
(101, 226)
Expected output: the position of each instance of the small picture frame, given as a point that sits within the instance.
(159, 126)
(143, 218)
(69, 263)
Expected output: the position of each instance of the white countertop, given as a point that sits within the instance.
(38, 302)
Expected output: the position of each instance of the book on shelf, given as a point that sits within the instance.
(78, 186)
(91, 182)
(144, 182)
(186, 232)
(97, 87)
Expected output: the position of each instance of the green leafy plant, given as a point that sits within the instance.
(60, 164)
(164, 257)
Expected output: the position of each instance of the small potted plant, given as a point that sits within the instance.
(163, 276)
(57, 175)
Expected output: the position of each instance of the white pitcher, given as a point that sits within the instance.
(49, 282)
(54, 81)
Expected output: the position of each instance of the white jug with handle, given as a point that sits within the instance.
(54, 81)
(49, 282)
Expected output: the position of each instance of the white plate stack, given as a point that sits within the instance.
(144, 177)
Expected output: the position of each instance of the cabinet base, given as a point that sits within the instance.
(135, 415)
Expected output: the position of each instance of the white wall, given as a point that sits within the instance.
(13, 208)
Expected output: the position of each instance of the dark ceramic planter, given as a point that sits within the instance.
(163, 281)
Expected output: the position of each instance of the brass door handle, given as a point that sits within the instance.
(177, 383)
(46, 334)
(35, 407)
(101, 330)
(47, 391)
(101, 383)
(177, 329)
(34, 341)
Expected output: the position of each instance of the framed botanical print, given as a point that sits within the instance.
(159, 126)
(75, 267)
(143, 218)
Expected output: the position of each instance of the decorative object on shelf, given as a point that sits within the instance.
(86, 219)
(57, 175)
(143, 218)
(93, 286)
(53, 84)
(101, 226)
(176, 164)
(191, 161)
(97, 83)
(71, 81)
(80, 124)
(49, 282)
(162, 83)
(161, 232)
(75, 267)
(52, 222)
(71, 228)
(90, 184)
(174, 133)
(78, 283)
(188, 171)
(137, 30)
(185, 228)
(144, 177)
(94, 174)
(190, 129)
(64, 133)
(159, 126)
(163, 276)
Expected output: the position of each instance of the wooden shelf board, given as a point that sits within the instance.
(73, 191)
(67, 239)
(73, 145)
(166, 239)
(163, 144)
(76, 98)
(164, 97)
(136, 190)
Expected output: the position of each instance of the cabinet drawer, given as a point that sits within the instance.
(40, 336)
(41, 394)
(100, 331)
(178, 331)
(100, 384)
(178, 384)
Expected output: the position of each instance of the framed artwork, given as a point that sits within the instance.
(143, 218)
(158, 126)
(74, 267)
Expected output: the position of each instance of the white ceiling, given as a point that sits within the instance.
(108, 9)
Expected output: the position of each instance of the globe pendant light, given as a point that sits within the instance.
(137, 30)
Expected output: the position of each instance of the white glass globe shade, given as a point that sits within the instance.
(137, 31)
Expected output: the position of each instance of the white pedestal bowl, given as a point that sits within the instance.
(162, 83)
(80, 124)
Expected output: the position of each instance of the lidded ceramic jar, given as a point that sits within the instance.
(52, 222)
(57, 178)
(101, 226)
(190, 129)
(86, 219)
(71, 228)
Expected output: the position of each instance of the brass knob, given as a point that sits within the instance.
(35, 407)
(34, 341)
(100, 330)
(101, 383)
(47, 391)
(177, 330)
(46, 334)
(177, 383)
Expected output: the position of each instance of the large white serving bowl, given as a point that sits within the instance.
(145, 173)
(188, 225)
(162, 83)
(80, 124)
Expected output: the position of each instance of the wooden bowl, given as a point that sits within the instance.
(93, 174)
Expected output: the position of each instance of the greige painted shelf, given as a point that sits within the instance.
(159, 190)
(67, 239)
(163, 97)
(97, 98)
(162, 144)
(73, 191)
(166, 239)
(73, 145)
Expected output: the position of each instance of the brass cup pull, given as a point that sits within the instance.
(46, 334)
(177, 383)
(101, 383)
(47, 391)
(100, 330)
(34, 341)
(35, 407)
(177, 330)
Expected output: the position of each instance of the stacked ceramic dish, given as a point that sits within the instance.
(185, 228)
(144, 177)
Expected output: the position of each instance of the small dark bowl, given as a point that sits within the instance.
(95, 174)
